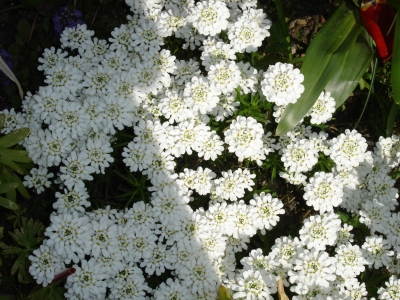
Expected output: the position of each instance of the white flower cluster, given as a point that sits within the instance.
(133, 82)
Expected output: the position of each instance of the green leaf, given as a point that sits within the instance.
(26, 235)
(12, 251)
(21, 188)
(396, 63)
(8, 162)
(7, 203)
(342, 216)
(16, 155)
(6, 187)
(51, 292)
(14, 137)
(391, 119)
(6, 297)
(2, 121)
(324, 57)
(223, 293)
(343, 82)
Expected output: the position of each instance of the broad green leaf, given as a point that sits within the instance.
(14, 137)
(7, 203)
(223, 293)
(343, 82)
(323, 58)
(6, 187)
(396, 63)
(51, 292)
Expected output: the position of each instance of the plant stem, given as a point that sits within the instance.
(283, 25)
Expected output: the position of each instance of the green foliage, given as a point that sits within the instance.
(51, 292)
(12, 160)
(28, 237)
(337, 43)
(396, 63)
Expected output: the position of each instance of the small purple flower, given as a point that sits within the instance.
(66, 18)
(8, 59)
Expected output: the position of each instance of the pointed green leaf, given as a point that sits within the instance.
(323, 59)
(13, 251)
(8, 162)
(19, 262)
(343, 82)
(21, 188)
(16, 155)
(5, 187)
(396, 63)
(14, 137)
(7, 203)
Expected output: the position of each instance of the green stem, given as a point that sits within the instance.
(371, 89)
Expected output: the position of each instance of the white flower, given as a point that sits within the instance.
(244, 137)
(88, 281)
(77, 168)
(209, 17)
(45, 265)
(224, 76)
(156, 260)
(216, 53)
(349, 260)
(212, 147)
(185, 70)
(348, 149)
(252, 284)
(376, 251)
(388, 149)
(320, 230)
(285, 250)
(229, 186)
(281, 84)
(147, 37)
(313, 267)
(267, 210)
(64, 79)
(50, 58)
(375, 215)
(392, 289)
(323, 108)
(103, 239)
(200, 96)
(199, 275)
(299, 156)
(172, 289)
(246, 36)
(76, 36)
(99, 154)
(69, 234)
(38, 179)
(72, 200)
(323, 192)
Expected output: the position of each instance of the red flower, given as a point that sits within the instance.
(377, 17)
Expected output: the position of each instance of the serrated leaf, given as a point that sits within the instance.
(5, 187)
(14, 137)
(396, 62)
(12, 251)
(25, 236)
(223, 293)
(323, 59)
(7, 203)
(51, 292)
